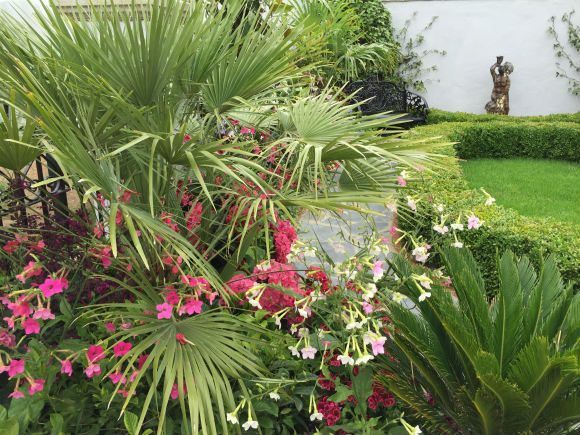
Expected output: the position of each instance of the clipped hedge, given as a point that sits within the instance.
(503, 229)
(437, 116)
(553, 141)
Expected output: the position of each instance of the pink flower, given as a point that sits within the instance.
(473, 222)
(192, 306)
(43, 314)
(308, 352)
(53, 286)
(378, 270)
(117, 377)
(246, 130)
(7, 339)
(36, 386)
(393, 231)
(16, 367)
(30, 270)
(240, 284)
(110, 327)
(93, 370)
(175, 391)
(122, 348)
(378, 345)
(20, 308)
(31, 326)
(164, 311)
(16, 394)
(172, 297)
(401, 181)
(284, 236)
(141, 360)
(95, 353)
(181, 338)
(66, 367)
(367, 308)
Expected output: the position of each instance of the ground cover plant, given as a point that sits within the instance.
(534, 188)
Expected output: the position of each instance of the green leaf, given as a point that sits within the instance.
(131, 422)
(342, 393)
(9, 426)
(56, 424)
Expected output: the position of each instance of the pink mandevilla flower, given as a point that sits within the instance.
(122, 348)
(52, 287)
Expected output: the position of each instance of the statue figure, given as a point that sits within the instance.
(500, 98)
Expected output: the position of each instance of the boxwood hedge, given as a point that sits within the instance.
(437, 116)
(503, 229)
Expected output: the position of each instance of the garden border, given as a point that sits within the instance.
(503, 229)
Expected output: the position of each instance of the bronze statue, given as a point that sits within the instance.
(500, 98)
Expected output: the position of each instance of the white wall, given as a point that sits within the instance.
(474, 32)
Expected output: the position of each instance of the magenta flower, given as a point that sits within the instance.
(36, 386)
(15, 368)
(95, 353)
(164, 311)
(192, 306)
(172, 297)
(378, 270)
(43, 314)
(122, 348)
(30, 270)
(117, 377)
(7, 339)
(367, 308)
(93, 370)
(110, 326)
(66, 367)
(53, 286)
(31, 326)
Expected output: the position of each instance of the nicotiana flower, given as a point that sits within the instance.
(363, 359)
(473, 222)
(93, 370)
(424, 295)
(164, 311)
(457, 226)
(316, 416)
(232, 418)
(52, 287)
(421, 253)
(122, 348)
(66, 367)
(250, 424)
(376, 341)
(423, 280)
(441, 229)
(399, 297)
(378, 270)
(308, 352)
(345, 360)
(457, 244)
(294, 351)
(15, 368)
(411, 203)
(274, 396)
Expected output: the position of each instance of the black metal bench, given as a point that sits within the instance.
(383, 96)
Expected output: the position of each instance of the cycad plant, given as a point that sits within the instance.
(154, 112)
(465, 366)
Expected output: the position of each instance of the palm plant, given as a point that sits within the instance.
(469, 367)
(132, 103)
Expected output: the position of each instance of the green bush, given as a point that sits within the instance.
(437, 116)
(503, 229)
(375, 21)
(553, 141)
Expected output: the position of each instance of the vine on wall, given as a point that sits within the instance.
(568, 54)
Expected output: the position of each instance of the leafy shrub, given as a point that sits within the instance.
(463, 366)
(503, 229)
(437, 116)
(375, 21)
(557, 141)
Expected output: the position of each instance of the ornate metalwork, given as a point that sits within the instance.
(379, 96)
(20, 194)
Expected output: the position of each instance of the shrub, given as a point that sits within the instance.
(557, 141)
(503, 229)
(437, 116)
(463, 366)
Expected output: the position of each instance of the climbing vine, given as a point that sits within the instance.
(567, 54)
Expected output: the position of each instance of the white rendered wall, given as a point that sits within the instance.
(474, 32)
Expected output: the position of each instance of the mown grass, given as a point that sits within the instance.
(535, 188)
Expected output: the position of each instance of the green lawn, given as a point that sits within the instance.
(535, 188)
